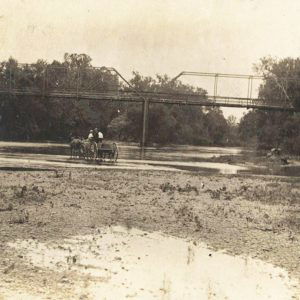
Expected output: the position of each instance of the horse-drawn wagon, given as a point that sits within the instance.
(108, 151)
(104, 152)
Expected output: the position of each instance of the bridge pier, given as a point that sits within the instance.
(145, 123)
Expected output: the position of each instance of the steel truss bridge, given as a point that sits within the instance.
(155, 97)
(61, 82)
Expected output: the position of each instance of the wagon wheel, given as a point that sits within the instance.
(90, 152)
(89, 155)
(101, 156)
(115, 153)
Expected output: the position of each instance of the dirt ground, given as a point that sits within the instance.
(243, 215)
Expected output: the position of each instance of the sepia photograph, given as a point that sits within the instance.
(149, 149)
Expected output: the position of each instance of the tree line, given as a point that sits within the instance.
(268, 129)
(42, 118)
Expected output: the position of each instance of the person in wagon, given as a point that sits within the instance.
(100, 136)
(92, 140)
(100, 139)
(97, 137)
(91, 136)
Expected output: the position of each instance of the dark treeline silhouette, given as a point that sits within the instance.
(268, 129)
(42, 118)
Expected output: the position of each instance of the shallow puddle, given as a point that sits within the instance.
(125, 263)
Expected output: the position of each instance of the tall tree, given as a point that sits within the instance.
(272, 129)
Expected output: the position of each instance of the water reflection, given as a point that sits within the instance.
(174, 153)
(123, 262)
(188, 158)
(177, 153)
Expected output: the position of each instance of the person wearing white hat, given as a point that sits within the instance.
(90, 136)
(100, 136)
(100, 139)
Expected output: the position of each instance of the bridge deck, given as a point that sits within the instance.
(154, 97)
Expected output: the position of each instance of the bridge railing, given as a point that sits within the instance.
(103, 83)
(33, 77)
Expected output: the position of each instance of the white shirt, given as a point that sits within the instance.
(100, 135)
(90, 135)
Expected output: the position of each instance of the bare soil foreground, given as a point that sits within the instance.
(252, 216)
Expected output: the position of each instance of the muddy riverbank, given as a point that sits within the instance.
(251, 216)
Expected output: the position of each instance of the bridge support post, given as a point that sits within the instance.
(145, 122)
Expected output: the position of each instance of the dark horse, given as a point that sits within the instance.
(76, 147)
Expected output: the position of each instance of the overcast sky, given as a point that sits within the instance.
(152, 36)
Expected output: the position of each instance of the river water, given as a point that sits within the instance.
(188, 158)
(129, 151)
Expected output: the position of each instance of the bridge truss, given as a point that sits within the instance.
(90, 84)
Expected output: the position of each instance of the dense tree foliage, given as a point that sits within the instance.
(267, 129)
(42, 118)
(178, 124)
(45, 118)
